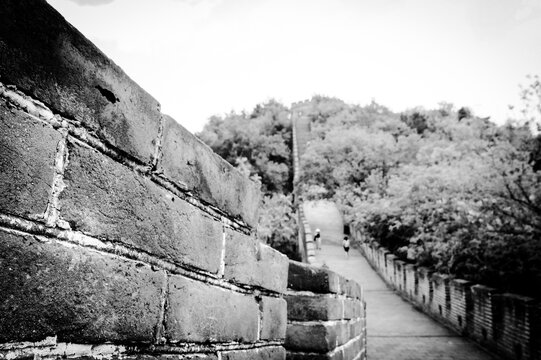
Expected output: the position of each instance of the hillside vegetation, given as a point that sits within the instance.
(441, 188)
(259, 144)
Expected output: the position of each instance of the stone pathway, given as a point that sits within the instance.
(396, 330)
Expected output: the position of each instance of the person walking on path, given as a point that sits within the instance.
(345, 244)
(317, 237)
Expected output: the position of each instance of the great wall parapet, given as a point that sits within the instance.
(506, 324)
(120, 232)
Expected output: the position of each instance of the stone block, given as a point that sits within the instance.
(311, 337)
(303, 277)
(249, 262)
(352, 349)
(198, 312)
(292, 355)
(47, 58)
(193, 165)
(342, 332)
(171, 357)
(307, 308)
(273, 318)
(108, 200)
(353, 289)
(26, 162)
(241, 254)
(355, 328)
(273, 268)
(262, 353)
(79, 295)
(350, 306)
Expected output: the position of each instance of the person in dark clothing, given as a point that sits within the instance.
(317, 238)
(345, 244)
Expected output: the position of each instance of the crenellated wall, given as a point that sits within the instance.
(121, 234)
(326, 315)
(301, 135)
(507, 324)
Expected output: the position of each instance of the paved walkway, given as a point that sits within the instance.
(396, 330)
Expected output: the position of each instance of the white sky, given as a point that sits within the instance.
(204, 57)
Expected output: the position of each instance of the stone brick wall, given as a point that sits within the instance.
(301, 135)
(121, 234)
(507, 324)
(326, 315)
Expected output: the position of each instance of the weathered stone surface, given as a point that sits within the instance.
(352, 289)
(303, 277)
(27, 154)
(312, 337)
(106, 199)
(353, 308)
(292, 355)
(349, 308)
(273, 269)
(241, 254)
(249, 262)
(193, 165)
(355, 328)
(47, 58)
(198, 312)
(307, 308)
(172, 357)
(342, 333)
(273, 318)
(79, 295)
(352, 349)
(264, 353)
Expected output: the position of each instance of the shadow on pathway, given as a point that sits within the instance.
(396, 330)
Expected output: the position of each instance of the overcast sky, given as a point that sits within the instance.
(204, 57)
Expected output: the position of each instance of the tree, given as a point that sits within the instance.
(445, 189)
(278, 224)
(260, 141)
(259, 145)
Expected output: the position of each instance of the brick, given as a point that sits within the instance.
(198, 312)
(241, 253)
(332, 355)
(273, 318)
(352, 349)
(79, 295)
(273, 268)
(171, 357)
(105, 199)
(46, 57)
(249, 262)
(350, 308)
(355, 328)
(26, 162)
(291, 355)
(353, 289)
(311, 337)
(193, 165)
(306, 308)
(263, 353)
(303, 277)
(342, 333)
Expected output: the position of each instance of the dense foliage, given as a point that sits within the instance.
(259, 145)
(442, 188)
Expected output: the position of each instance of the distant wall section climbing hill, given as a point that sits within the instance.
(301, 137)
